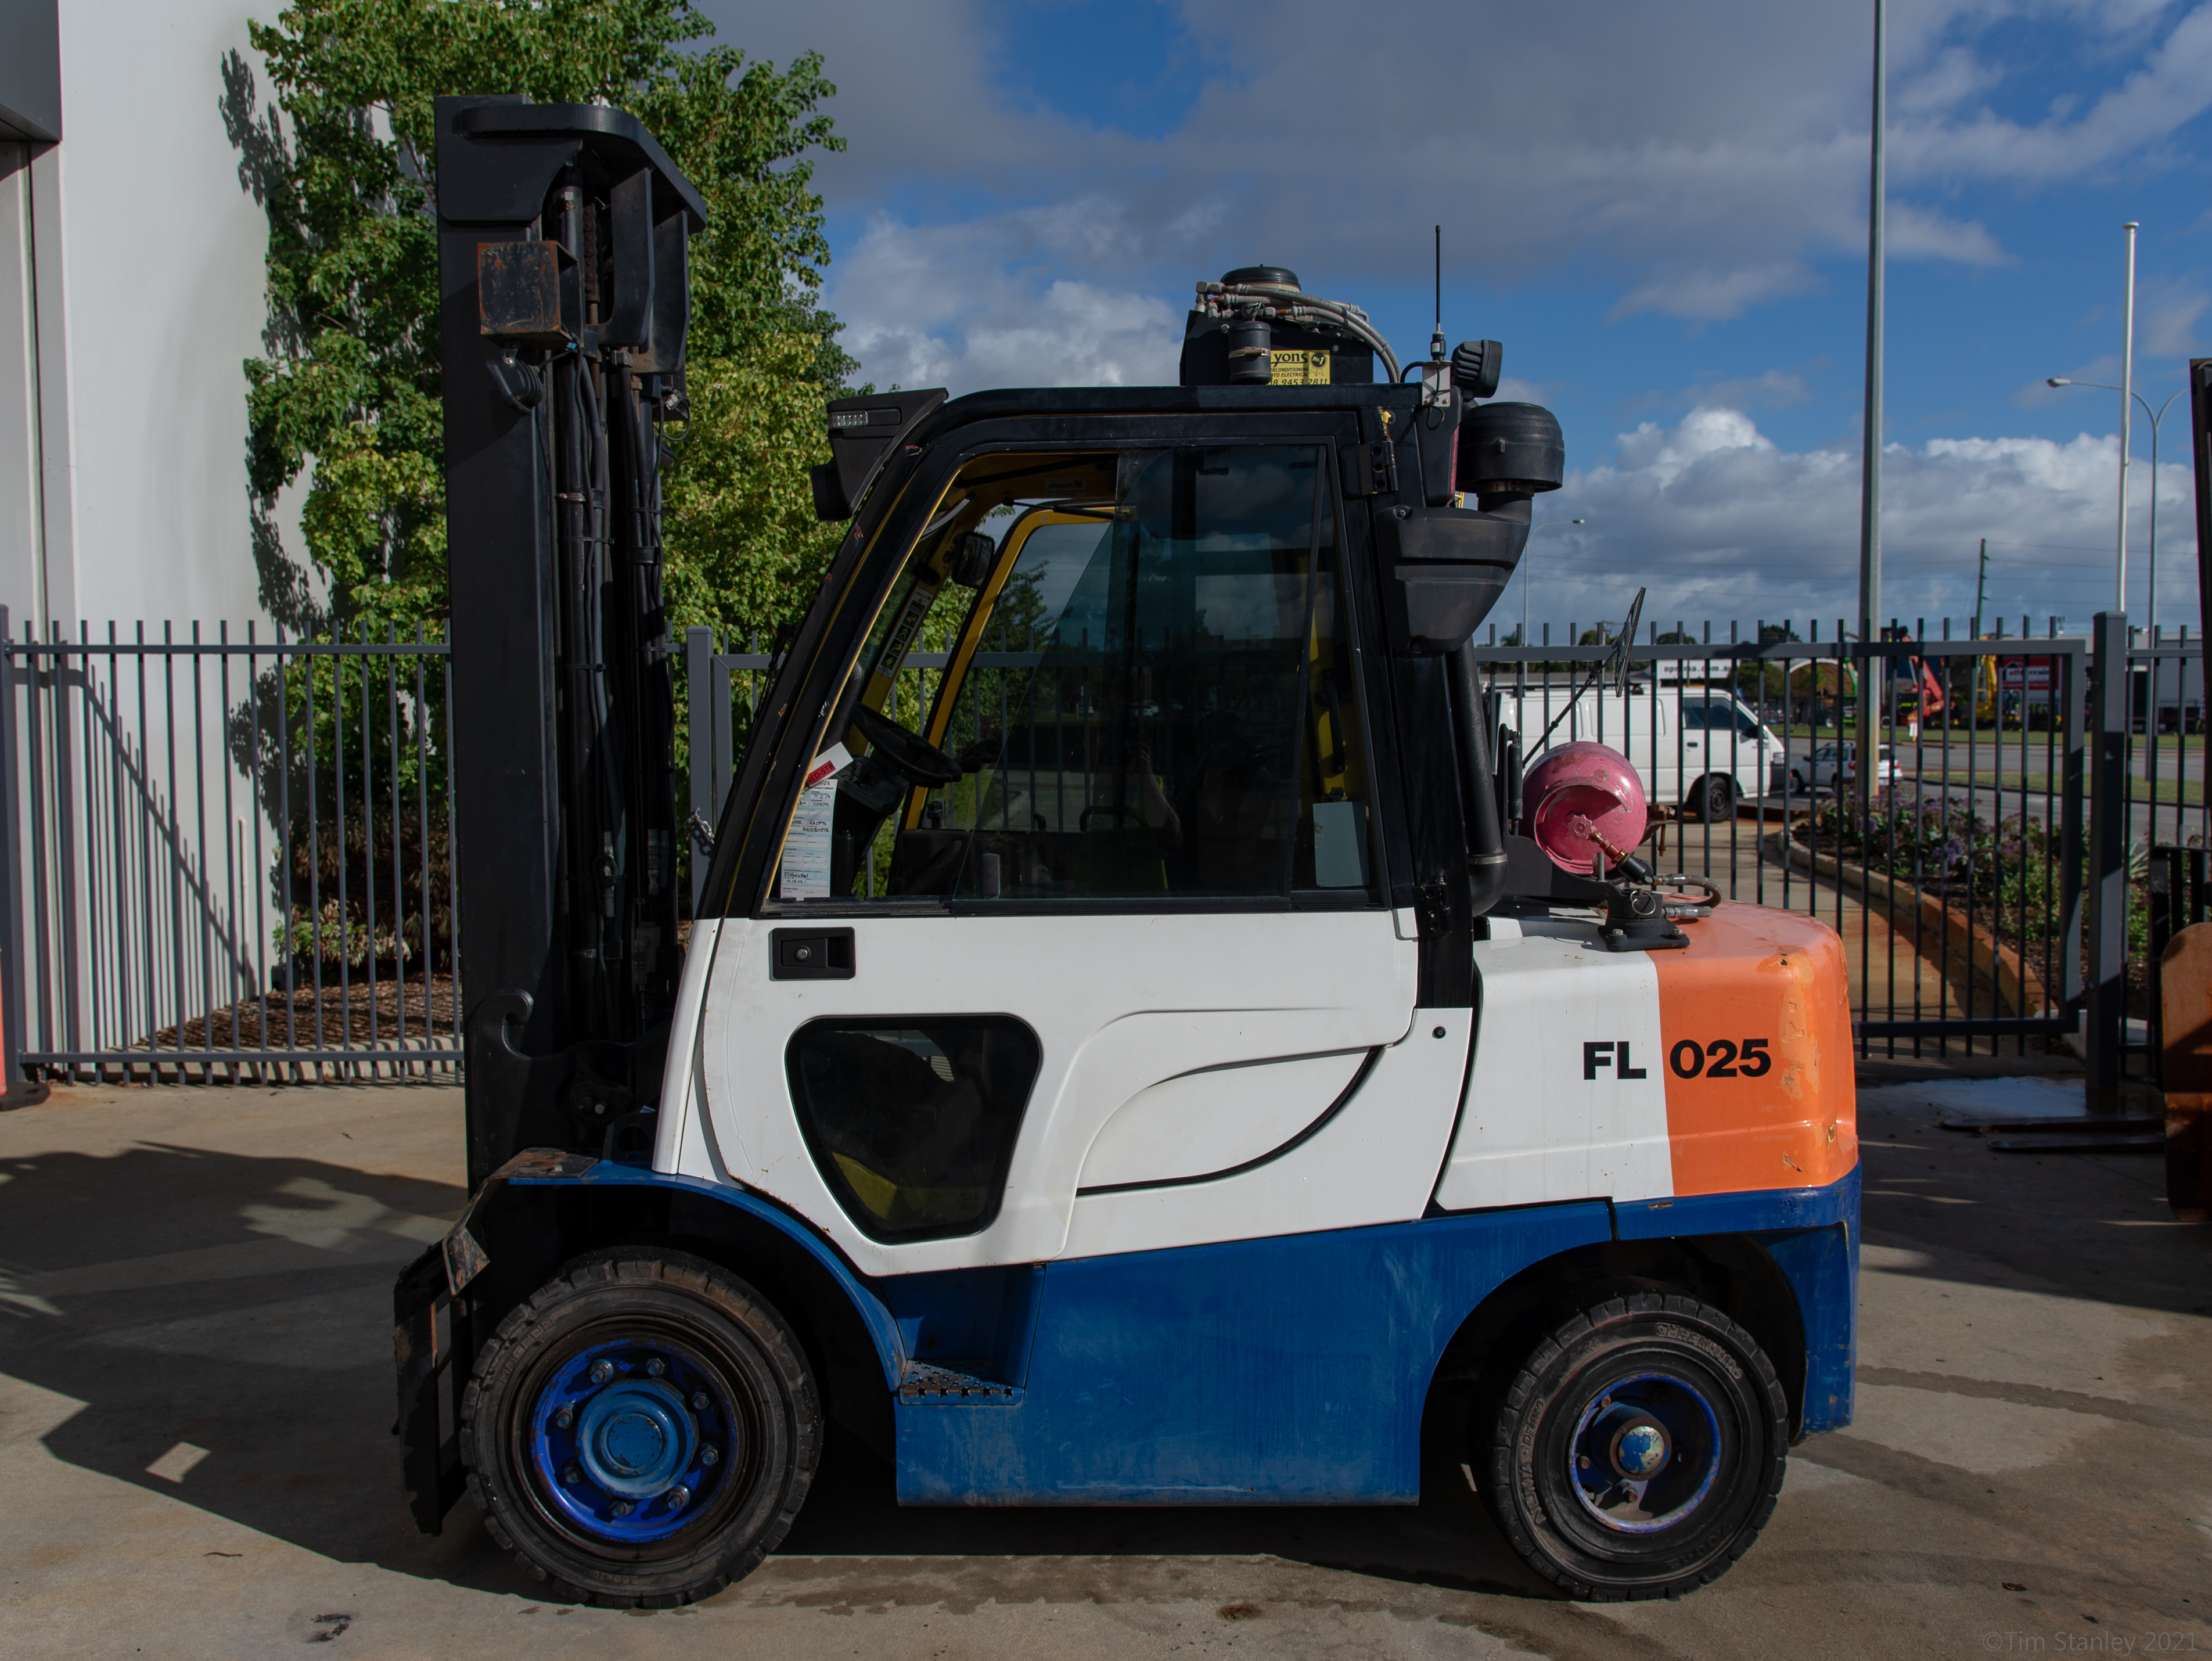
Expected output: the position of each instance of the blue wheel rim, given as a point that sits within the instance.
(632, 1438)
(1644, 1453)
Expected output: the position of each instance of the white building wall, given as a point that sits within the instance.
(131, 292)
(148, 256)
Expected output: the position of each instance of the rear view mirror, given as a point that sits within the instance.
(970, 559)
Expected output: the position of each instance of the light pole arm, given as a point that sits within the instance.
(2106, 386)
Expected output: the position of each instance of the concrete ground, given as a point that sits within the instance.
(196, 1401)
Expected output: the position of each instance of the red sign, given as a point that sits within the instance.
(2035, 674)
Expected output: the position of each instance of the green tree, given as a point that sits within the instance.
(349, 394)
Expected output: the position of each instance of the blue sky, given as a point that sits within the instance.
(1659, 210)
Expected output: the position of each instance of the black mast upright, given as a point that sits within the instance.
(563, 232)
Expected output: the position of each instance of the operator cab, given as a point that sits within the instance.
(1146, 694)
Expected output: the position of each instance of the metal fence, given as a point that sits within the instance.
(228, 856)
(1987, 896)
(225, 857)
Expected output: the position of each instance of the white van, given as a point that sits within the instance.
(1699, 747)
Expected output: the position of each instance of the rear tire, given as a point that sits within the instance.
(1712, 798)
(1637, 1451)
(640, 1431)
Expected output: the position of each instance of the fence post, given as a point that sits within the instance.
(698, 656)
(720, 736)
(14, 1092)
(2073, 791)
(2108, 851)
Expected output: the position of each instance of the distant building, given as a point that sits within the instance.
(131, 259)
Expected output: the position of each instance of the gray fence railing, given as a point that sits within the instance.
(225, 857)
(1987, 896)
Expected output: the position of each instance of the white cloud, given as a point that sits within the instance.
(989, 312)
(1706, 158)
(1774, 390)
(1720, 522)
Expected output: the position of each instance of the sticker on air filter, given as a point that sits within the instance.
(1289, 367)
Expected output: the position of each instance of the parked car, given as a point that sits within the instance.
(1704, 749)
(1831, 766)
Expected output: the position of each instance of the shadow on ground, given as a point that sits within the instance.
(224, 1322)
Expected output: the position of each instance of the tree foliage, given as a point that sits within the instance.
(349, 394)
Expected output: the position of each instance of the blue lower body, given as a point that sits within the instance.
(1294, 1370)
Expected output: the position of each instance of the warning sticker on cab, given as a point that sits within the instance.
(806, 873)
(827, 765)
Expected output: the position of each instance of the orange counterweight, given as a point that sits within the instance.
(1760, 1085)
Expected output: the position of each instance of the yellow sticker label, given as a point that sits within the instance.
(1298, 368)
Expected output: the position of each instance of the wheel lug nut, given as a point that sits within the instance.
(566, 1417)
(678, 1498)
(602, 1371)
(710, 1455)
(622, 1508)
(656, 1366)
(570, 1475)
(698, 1401)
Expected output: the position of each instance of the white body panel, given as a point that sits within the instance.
(1374, 1162)
(1533, 1127)
(1120, 1004)
(683, 1143)
(1215, 1119)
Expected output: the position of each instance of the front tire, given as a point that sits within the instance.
(640, 1431)
(1637, 1451)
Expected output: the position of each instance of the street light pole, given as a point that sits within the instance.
(2127, 415)
(1870, 434)
(2150, 608)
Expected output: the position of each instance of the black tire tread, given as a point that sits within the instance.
(1499, 1460)
(613, 1268)
(1713, 798)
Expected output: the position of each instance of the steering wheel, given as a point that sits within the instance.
(913, 758)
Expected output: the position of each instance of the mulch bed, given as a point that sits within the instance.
(331, 1019)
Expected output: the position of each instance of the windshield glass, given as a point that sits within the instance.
(1141, 683)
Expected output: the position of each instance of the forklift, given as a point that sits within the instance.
(1181, 1063)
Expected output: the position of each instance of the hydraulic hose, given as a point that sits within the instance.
(1295, 306)
(1485, 835)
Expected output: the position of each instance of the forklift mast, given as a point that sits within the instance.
(564, 298)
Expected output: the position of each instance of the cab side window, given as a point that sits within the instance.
(912, 1120)
(1163, 704)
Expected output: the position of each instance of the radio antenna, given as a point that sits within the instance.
(1437, 340)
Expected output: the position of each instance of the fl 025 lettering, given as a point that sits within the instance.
(1612, 1053)
(1720, 1058)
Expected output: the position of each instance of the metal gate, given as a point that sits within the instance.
(1986, 893)
(225, 857)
